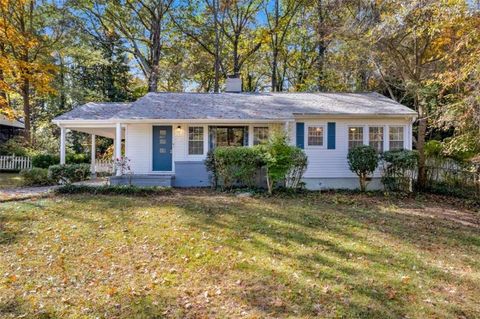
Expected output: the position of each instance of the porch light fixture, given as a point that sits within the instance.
(179, 128)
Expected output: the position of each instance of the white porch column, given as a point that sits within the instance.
(62, 145)
(118, 144)
(93, 153)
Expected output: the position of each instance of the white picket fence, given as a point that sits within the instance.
(103, 166)
(15, 163)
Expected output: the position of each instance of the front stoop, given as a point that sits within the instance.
(143, 180)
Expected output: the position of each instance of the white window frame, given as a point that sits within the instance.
(365, 137)
(253, 132)
(187, 138)
(324, 127)
(383, 136)
(404, 140)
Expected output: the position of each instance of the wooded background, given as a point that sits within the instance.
(58, 54)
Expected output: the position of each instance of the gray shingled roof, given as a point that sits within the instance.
(242, 106)
(95, 111)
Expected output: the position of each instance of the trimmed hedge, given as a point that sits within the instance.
(280, 163)
(363, 160)
(237, 165)
(69, 173)
(47, 160)
(113, 190)
(36, 177)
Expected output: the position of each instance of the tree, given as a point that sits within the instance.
(144, 24)
(409, 45)
(363, 161)
(29, 30)
(279, 24)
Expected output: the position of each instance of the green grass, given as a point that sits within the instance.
(199, 254)
(10, 180)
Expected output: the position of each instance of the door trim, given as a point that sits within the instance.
(152, 172)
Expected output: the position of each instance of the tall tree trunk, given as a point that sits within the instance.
(236, 58)
(422, 129)
(275, 48)
(321, 46)
(156, 49)
(26, 109)
(216, 88)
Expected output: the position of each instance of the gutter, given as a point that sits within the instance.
(296, 116)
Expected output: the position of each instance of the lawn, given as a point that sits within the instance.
(199, 254)
(9, 180)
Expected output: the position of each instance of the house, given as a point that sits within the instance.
(10, 128)
(167, 135)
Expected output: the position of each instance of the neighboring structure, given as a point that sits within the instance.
(9, 128)
(167, 135)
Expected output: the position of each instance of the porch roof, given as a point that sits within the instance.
(239, 106)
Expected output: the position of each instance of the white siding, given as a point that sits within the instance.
(326, 163)
(138, 147)
(323, 163)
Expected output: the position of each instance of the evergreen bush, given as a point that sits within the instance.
(69, 173)
(363, 160)
(36, 177)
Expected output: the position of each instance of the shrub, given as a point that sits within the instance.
(73, 158)
(281, 159)
(14, 146)
(299, 166)
(36, 177)
(45, 160)
(363, 160)
(237, 165)
(113, 190)
(211, 167)
(69, 173)
(399, 167)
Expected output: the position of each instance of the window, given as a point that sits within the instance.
(396, 138)
(260, 135)
(228, 136)
(195, 140)
(315, 135)
(376, 138)
(355, 136)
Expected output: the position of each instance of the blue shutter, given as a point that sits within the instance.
(300, 135)
(331, 135)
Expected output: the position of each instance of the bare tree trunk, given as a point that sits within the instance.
(321, 46)
(156, 49)
(275, 49)
(236, 58)
(422, 128)
(216, 88)
(26, 109)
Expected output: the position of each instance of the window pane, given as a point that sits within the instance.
(195, 140)
(355, 137)
(396, 138)
(315, 135)
(228, 135)
(260, 135)
(376, 138)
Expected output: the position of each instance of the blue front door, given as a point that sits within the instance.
(162, 148)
